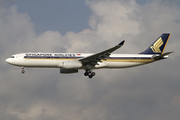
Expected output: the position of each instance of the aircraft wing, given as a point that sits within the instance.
(93, 59)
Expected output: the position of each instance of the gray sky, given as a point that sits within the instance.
(143, 93)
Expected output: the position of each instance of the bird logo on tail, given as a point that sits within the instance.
(156, 46)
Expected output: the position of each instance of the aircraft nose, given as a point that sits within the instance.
(8, 60)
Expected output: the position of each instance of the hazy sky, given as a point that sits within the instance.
(142, 93)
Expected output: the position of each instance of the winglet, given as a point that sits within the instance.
(122, 43)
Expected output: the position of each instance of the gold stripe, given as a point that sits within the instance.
(108, 60)
(129, 60)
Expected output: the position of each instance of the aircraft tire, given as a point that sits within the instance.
(86, 74)
(23, 71)
(90, 76)
(93, 73)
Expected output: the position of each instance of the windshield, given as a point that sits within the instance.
(12, 56)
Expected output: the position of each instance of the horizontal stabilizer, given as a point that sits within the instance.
(162, 56)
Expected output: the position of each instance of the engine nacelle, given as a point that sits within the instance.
(72, 64)
(68, 71)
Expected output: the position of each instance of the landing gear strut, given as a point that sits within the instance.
(23, 71)
(89, 73)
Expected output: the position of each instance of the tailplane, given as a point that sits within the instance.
(158, 46)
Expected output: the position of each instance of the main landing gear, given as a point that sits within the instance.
(89, 73)
(23, 71)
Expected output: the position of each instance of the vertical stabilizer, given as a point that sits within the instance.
(158, 46)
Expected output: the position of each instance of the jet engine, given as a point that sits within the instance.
(72, 64)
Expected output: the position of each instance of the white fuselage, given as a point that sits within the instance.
(72, 62)
(55, 60)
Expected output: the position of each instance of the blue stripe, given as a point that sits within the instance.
(82, 57)
(48, 57)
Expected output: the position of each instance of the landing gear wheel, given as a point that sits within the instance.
(86, 74)
(93, 73)
(89, 73)
(90, 76)
(23, 71)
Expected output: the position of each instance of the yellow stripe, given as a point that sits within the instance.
(108, 60)
(129, 60)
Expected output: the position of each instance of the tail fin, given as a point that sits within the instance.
(158, 46)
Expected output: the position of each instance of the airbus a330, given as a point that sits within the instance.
(72, 62)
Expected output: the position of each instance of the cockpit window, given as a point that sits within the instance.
(12, 56)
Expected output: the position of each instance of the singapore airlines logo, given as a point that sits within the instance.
(156, 46)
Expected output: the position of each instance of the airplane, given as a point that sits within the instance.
(72, 62)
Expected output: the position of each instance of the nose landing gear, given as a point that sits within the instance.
(23, 71)
(89, 73)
